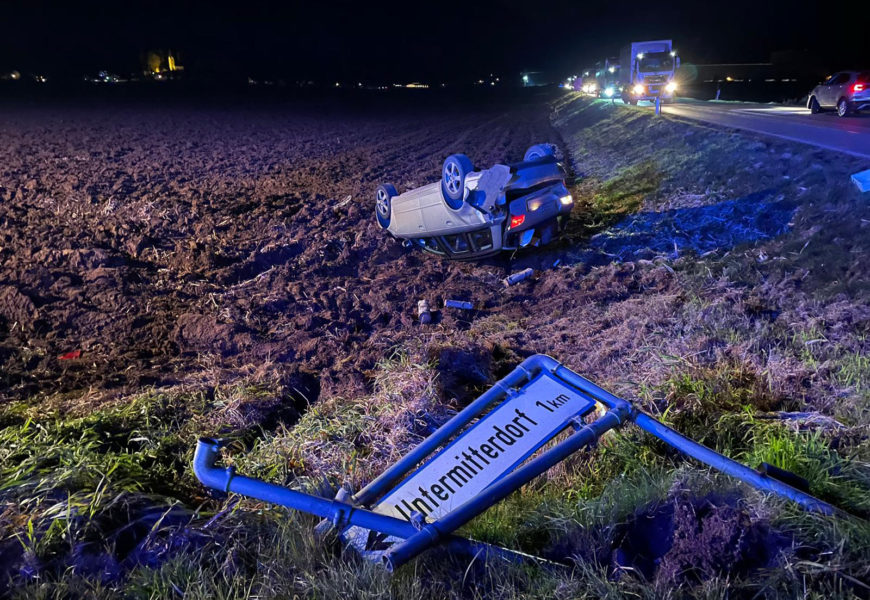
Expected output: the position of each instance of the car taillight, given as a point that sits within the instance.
(858, 87)
(517, 221)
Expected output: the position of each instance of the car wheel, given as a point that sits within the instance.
(815, 107)
(384, 203)
(539, 151)
(453, 173)
(843, 108)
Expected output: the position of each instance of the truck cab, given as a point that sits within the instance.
(648, 70)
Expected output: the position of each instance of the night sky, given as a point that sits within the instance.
(435, 41)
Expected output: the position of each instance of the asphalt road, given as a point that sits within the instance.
(826, 130)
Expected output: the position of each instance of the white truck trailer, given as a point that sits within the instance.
(647, 71)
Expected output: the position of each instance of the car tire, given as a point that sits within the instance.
(843, 108)
(539, 151)
(453, 173)
(814, 106)
(384, 203)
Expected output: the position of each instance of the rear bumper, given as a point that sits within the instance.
(539, 234)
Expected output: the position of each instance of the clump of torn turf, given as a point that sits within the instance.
(352, 440)
(691, 540)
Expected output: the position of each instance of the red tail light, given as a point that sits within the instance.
(517, 221)
(858, 87)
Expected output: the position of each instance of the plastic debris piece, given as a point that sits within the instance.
(74, 354)
(459, 304)
(423, 312)
(517, 277)
(862, 180)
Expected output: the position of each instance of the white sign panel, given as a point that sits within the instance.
(481, 455)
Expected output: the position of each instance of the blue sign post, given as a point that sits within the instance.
(483, 454)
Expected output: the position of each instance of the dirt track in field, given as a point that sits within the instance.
(144, 245)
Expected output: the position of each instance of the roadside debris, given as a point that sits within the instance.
(423, 312)
(862, 180)
(805, 420)
(72, 355)
(458, 304)
(517, 277)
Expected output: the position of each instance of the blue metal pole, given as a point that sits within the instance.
(527, 369)
(726, 465)
(432, 533)
(590, 388)
(338, 512)
(692, 448)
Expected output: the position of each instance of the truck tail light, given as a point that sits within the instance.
(858, 87)
(517, 220)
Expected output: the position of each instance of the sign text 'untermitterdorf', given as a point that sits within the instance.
(483, 453)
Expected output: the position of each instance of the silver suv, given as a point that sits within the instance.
(471, 214)
(846, 91)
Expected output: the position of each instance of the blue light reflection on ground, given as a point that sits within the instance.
(698, 229)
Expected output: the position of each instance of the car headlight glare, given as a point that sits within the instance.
(566, 200)
(534, 204)
(671, 87)
(608, 91)
(638, 89)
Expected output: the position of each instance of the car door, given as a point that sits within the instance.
(824, 90)
(821, 91)
(835, 90)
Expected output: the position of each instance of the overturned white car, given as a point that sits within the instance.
(472, 213)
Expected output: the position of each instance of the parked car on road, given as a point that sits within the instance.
(471, 214)
(847, 92)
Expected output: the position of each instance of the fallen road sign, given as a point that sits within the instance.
(482, 454)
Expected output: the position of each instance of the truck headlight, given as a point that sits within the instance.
(608, 91)
(637, 90)
(566, 200)
(671, 87)
(534, 204)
